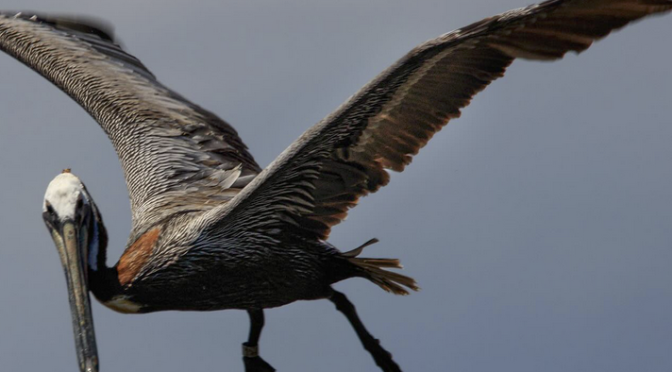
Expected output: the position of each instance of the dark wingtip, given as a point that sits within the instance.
(82, 24)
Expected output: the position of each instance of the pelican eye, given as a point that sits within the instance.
(50, 209)
(78, 207)
(81, 215)
(49, 215)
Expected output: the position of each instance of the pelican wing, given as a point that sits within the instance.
(176, 156)
(312, 184)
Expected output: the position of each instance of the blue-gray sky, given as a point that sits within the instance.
(538, 224)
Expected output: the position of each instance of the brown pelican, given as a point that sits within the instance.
(208, 232)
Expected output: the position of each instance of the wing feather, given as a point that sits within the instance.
(176, 156)
(311, 185)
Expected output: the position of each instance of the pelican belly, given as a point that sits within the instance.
(123, 305)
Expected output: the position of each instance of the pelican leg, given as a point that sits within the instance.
(381, 356)
(251, 358)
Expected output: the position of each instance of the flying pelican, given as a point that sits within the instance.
(211, 230)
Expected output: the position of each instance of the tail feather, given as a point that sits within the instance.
(372, 269)
(382, 262)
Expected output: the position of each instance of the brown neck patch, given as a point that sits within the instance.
(135, 256)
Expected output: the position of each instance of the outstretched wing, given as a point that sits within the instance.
(312, 184)
(176, 156)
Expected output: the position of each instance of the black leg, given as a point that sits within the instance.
(251, 358)
(382, 357)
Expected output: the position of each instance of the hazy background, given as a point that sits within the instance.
(538, 224)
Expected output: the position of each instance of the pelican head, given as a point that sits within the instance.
(71, 217)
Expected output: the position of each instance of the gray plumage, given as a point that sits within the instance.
(213, 231)
(176, 156)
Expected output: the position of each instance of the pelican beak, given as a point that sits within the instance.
(71, 243)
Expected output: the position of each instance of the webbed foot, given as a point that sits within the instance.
(252, 360)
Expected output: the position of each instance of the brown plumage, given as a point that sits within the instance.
(345, 156)
(210, 230)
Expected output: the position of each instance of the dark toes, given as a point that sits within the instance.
(382, 357)
(388, 365)
(256, 364)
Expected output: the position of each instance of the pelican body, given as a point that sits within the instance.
(211, 229)
(239, 278)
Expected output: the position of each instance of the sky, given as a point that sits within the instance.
(537, 225)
